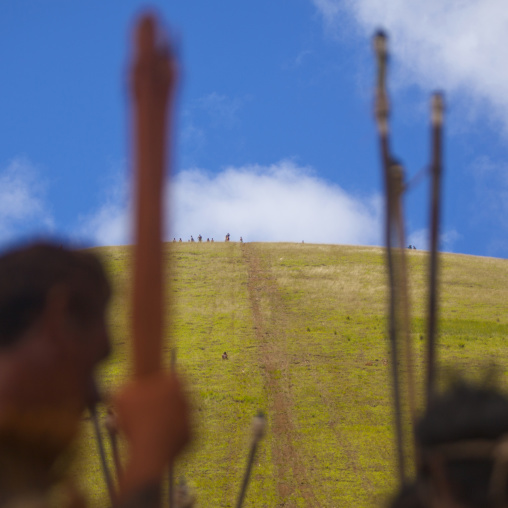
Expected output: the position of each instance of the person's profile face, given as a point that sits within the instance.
(94, 343)
(87, 344)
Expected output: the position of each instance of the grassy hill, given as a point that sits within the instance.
(304, 326)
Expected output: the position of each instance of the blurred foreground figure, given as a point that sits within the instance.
(463, 442)
(52, 336)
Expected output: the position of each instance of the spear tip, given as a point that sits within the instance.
(381, 42)
(259, 425)
(145, 33)
(437, 108)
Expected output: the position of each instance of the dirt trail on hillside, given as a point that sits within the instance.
(270, 321)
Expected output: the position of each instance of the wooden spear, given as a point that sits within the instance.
(258, 431)
(382, 113)
(153, 83)
(437, 109)
(403, 298)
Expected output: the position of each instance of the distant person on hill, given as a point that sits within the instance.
(53, 334)
(462, 440)
(208, 239)
(224, 356)
(191, 238)
(241, 240)
(179, 241)
(200, 238)
(174, 240)
(211, 240)
(414, 248)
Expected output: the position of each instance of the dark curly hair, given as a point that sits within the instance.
(28, 273)
(466, 428)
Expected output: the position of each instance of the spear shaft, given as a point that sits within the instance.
(102, 453)
(436, 171)
(403, 297)
(171, 475)
(258, 430)
(152, 80)
(382, 110)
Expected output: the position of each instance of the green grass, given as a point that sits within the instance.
(305, 330)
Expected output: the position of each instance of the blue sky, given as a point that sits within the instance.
(274, 132)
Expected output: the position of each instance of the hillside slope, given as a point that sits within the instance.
(304, 327)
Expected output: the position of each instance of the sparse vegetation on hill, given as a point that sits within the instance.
(304, 328)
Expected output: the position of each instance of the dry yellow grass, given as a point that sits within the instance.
(304, 326)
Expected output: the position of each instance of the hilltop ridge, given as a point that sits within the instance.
(304, 328)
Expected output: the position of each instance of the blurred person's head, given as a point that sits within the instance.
(52, 336)
(463, 449)
(407, 497)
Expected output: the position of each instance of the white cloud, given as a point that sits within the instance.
(448, 240)
(23, 210)
(110, 224)
(458, 46)
(281, 202)
(329, 8)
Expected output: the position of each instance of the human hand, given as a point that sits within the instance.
(153, 415)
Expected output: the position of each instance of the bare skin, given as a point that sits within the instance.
(46, 375)
(154, 417)
(46, 383)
